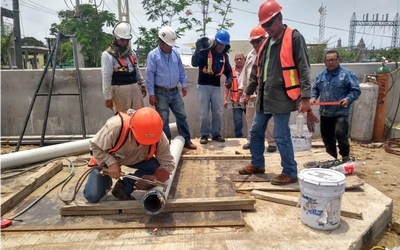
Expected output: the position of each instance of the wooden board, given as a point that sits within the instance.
(346, 211)
(13, 192)
(352, 182)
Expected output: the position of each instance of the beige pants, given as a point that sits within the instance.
(126, 97)
(249, 120)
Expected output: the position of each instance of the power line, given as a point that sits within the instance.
(37, 9)
(375, 7)
(41, 6)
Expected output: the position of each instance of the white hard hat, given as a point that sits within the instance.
(123, 30)
(167, 34)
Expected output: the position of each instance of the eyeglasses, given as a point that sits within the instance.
(259, 40)
(270, 22)
(331, 60)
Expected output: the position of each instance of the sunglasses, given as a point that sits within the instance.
(270, 22)
(256, 41)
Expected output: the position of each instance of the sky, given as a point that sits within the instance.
(303, 15)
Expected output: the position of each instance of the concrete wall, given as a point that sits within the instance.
(18, 87)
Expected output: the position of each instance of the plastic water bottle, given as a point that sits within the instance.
(300, 123)
(348, 167)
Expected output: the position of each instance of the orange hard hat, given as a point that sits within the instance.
(257, 32)
(268, 9)
(147, 126)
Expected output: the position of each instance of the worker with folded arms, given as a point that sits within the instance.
(136, 141)
(164, 71)
(123, 84)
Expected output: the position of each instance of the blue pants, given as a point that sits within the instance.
(172, 100)
(282, 138)
(210, 97)
(97, 184)
(238, 121)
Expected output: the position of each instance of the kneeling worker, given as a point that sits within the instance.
(132, 141)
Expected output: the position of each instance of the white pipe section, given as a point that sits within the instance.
(20, 158)
(154, 200)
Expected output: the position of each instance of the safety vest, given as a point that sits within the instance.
(125, 130)
(208, 68)
(121, 75)
(234, 88)
(289, 70)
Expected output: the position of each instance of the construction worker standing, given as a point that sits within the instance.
(164, 71)
(123, 85)
(212, 61)
(282, 75)
(132, 141)
(257, 37)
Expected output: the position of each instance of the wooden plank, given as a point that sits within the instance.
(216, 157)
(27, 186)
(249, 178)
(293, 201)
(352, 182)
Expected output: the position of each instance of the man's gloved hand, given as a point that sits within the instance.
(198, 46)
(311, 120)
(228, 83)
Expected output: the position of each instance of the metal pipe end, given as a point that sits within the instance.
(153, 202)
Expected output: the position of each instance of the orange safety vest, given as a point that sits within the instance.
(125, 130)
(289, 70)
(235, 87)
(208, 69)
(123, 66)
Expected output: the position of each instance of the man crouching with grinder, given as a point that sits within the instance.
(135, 140)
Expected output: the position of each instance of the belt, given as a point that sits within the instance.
(166, 89)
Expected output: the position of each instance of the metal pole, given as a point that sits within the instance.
(17, 35)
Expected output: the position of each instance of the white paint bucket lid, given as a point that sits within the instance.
(322, 177)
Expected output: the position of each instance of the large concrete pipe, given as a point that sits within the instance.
(154, 200)
(20, 158)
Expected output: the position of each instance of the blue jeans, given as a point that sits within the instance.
(97, 184)
(282, 138)
(238, 121)
(172, 100)
(210, 97)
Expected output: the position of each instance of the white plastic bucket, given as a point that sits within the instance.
(301, 142)
(321, 193)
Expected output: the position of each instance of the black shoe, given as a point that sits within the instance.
(218, 138)
(246, 146)
(204, 140)
(119, 192)
(271, 149)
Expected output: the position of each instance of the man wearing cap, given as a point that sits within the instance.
(212, 61)
(164, 71)
(257, 36)
(123, 85)
(282, 75)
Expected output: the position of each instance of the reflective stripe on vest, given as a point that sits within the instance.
(289, 70)
(234, 88)
(208, 69)
(123, 135)
(123, 66)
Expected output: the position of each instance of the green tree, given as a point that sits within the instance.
(6, 41)
(87, 30)
(31, 41)
(147, 41)
(316, 53)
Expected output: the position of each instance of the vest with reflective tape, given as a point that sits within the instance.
(121, 75)
(289, 70)
(234, 88)
(208, 68)
(122, 137)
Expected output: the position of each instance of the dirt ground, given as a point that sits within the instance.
(381, 170)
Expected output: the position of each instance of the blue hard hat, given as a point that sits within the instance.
(222, 37)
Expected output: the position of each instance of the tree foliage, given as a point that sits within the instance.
(31, 41)
(147, 41)
(87, 30)
(6, 41)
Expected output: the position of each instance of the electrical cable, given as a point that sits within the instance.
(392, 142)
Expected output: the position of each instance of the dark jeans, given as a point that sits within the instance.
(336, 128)
(238, 121)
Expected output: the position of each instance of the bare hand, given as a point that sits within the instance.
(184, 92)
(225, 104)
(246, 99)
(304, 105)
(240, 91)
(312, 101)
(344, 102)
(114, 170)
(109, 104)
(142, 185)
(152, 100)
(144, 92)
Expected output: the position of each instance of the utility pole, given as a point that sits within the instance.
(17, 35)
(322, 12)
(123, 11)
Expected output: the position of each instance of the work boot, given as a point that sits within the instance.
(283, 180)
(249, 169)
(218, 138)
(190, 145)
(204, 140)
(347, 158)
(246, 146)
(271, 149)
(119, 192)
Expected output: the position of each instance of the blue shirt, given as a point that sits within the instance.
(333, 87)
(164, 72)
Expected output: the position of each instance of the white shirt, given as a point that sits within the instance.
(245, 74)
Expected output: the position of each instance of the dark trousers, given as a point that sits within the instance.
(334, 129)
